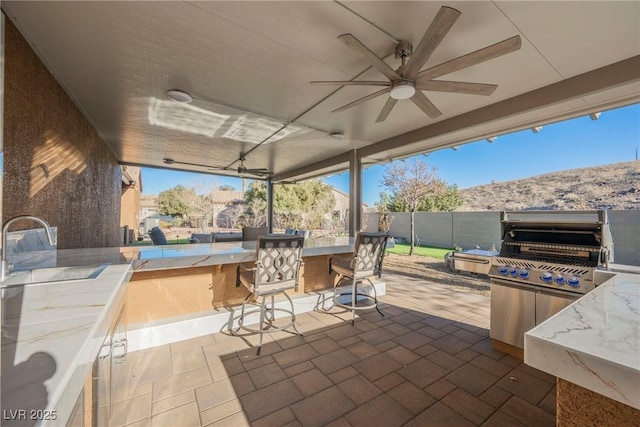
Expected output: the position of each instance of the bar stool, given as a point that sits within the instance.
(276, 270)
(365, 263)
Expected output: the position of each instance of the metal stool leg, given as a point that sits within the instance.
(261, 333)
(375, 297)
(354, 300)
(241, 318)
(293, 315)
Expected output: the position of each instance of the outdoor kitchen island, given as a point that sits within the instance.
(171, 293)
(593, 348)
(182, 291)
(186, 282)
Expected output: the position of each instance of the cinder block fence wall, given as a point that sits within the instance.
(470, 229)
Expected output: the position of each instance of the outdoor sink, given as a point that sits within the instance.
(57, 274)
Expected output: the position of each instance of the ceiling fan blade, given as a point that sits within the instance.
(221, 168)
(425, 105)
(351, 83)
(438, 29)
(388, 106)
(457, 87)
(361, 100)
(490, 52)
(371, 57)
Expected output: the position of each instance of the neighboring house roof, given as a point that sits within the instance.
(342, 194)
(131, 175)
(222, 197)
(148, 201)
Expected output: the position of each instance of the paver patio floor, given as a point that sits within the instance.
(427, 362)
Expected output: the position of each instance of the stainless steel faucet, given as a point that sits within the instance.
(4, 268)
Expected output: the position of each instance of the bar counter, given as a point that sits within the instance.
(173, 281)
(165, 257)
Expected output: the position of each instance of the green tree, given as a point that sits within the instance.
(174, 201)
(302, 205)
(226, 187)
(448, 201)
(255, 199)
(410, 183)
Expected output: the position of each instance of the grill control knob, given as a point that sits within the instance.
(573, 281)
(523, 273)
(546, 277)
(559, 279)
(513, 271)
(503, 269)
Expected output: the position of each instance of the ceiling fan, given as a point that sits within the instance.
(408, 81)
(241, 169)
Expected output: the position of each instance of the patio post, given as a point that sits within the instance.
(355, 193)
(269, 191)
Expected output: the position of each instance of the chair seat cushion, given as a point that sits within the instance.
(346, 270)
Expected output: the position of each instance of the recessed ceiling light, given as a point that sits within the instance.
(179, 96)
(168, 161)
(336, 136)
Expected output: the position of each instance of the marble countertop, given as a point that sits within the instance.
(51, 335)
(595, 342)
(150, 258)
(52, 332)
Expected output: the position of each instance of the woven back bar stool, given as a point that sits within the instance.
(365, 263)
(276, 270)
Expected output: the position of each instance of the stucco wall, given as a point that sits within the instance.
(55, 164)
(130, 208)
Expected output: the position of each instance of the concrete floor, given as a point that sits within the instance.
(427, 362)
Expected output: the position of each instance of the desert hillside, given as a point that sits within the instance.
(615, 186)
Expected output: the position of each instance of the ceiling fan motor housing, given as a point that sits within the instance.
(404, 49)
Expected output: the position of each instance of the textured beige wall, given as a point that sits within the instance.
(130, 208)
(55, 164)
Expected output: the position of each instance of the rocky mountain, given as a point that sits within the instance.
(615, 186)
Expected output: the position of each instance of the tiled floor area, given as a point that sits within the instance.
(428, 362)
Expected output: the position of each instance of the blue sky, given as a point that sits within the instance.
(571, 144)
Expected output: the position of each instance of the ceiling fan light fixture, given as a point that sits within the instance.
(179, 96)
(403, 89)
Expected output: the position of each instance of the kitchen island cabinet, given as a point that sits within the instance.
(51, 335)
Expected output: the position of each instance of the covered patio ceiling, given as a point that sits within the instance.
(248, 66)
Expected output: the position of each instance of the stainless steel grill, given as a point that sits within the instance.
(547, 261)
(559, 250)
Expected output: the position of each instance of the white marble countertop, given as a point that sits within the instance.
(149, 258)
(51, 335)
(52, 332)
(595, 342)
